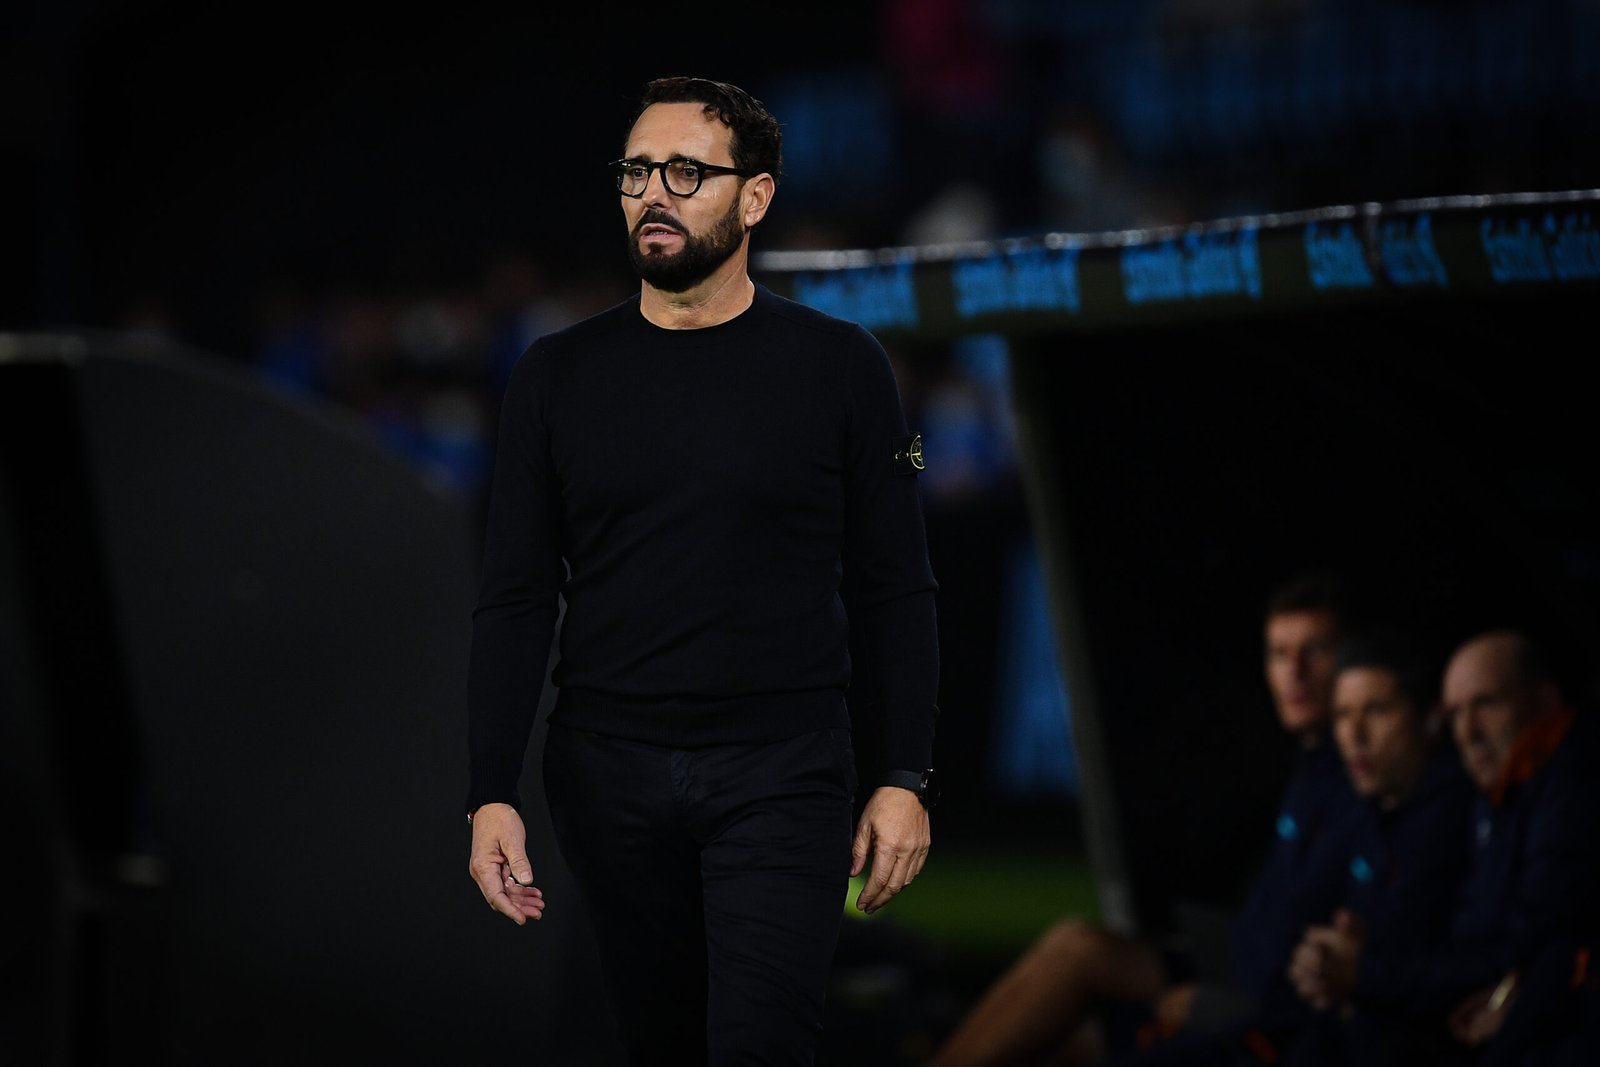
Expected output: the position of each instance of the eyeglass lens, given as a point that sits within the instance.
(682, 176)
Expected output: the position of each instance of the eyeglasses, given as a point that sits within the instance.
(681, 176)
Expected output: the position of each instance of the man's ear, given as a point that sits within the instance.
(757, 197)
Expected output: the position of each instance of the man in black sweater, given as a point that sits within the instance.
(707, 475)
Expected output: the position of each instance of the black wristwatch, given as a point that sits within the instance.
(923, 783)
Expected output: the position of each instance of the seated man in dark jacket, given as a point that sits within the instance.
(1391, 868)
(1534, 881)
(1045, 1007)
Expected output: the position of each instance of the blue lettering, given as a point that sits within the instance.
(872, 296)
(1516, 252)
(1206, 265)
(1154, 273)
(1574, 248)
(1036, 279)
(1248, 250)
(1408, 255)
(1336, 258)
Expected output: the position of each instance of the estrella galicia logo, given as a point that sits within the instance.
(908, 454)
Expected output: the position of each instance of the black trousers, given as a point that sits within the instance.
(716, 878)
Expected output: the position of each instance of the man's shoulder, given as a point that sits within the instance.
(1318, 790)
(1444, 780)
(1572, 765)
(1319, 765)
(804, 316)
(1440, 806)
(596, 328)
(542, 362)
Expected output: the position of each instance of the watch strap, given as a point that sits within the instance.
(911, 780)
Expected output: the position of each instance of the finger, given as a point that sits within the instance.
(517, 861)
(918, 860)
(489, 870)
(872, 893)
(488, 874)
(519, 892)
(497, 896)
(1307, 977)
(502, 903)
(903, 871)
(1323, 938)
(888, 879)
(860, 848)
(867, 899)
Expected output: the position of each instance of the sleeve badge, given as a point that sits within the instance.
(908, 454)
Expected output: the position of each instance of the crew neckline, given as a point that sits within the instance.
(704, 334)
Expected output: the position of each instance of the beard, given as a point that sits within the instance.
(695, 261)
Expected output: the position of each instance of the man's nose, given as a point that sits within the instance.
(655, 188)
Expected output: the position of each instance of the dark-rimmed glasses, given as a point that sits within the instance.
(681, 176)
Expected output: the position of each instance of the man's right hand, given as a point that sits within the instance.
(1479, 1017)
(499, 863)
(1174, 1007)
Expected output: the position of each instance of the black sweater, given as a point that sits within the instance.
(706, 503)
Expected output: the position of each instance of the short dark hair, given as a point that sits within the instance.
(757, 142)
(1312, 591)
(1415, 660)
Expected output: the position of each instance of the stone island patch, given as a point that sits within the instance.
(908, 454)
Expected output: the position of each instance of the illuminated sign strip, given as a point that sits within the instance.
(1335, 255)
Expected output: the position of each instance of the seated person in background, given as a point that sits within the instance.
(1043, 1009)
(1401, 856)
(1534, 885)
(1407, 853)
(1544, 1013)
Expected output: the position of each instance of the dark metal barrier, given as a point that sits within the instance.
(234, 641)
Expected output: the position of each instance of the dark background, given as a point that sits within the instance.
(1452, 491)
(173, 164)
(305, 243)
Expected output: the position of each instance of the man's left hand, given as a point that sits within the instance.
(1323, 968)
(895, 834)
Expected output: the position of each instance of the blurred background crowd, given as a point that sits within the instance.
(383, 212)
(379, 214)
(374, 213)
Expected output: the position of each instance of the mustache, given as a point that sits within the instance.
(655, 217)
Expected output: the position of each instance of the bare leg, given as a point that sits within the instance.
(1038, 1004)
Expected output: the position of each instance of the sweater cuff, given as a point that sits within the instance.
(492, 783)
